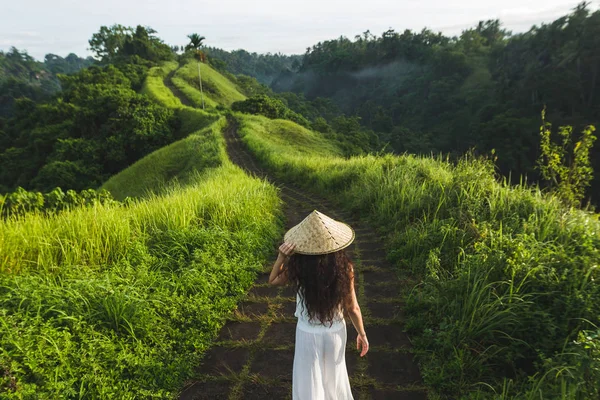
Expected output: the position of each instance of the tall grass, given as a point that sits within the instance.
(507, 274)
(121, 301)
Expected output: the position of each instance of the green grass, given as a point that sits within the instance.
(180, 160)
(155, 89)
(281, 136)
(217, 89)
(200, 148)
(507, 274)
(122, 300)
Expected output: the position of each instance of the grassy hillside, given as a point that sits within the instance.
(200, 148)
(154, 87)
(121, 300)
(217, 89)
(507, 274)
(180, 160)
(278, 136)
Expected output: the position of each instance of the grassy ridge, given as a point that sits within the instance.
(276, 136)
(120, 301)
(154, 87)
(180, 160)
(508, 276)
(217, 89)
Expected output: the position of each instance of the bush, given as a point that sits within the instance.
(269, 107)
(21, 202)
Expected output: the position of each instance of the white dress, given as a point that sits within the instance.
(319, 359)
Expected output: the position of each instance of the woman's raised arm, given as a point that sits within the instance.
(278, 273)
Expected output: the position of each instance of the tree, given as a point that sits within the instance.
(119, 43)
(108, 41)
(195, 44)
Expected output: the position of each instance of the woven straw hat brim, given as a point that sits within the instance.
(320, 234)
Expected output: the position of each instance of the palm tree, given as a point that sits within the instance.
(195, 44)
(195, 41)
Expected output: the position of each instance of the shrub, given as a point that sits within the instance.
(21, 202)
(269, 107)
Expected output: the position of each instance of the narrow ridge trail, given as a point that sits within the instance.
(253, 355)
(176, 92)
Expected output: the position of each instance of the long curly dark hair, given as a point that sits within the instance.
(323, 281)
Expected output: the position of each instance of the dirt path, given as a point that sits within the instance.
(253, 355)
(169, 83)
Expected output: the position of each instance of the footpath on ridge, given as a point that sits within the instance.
(176, 92)
(252, 357)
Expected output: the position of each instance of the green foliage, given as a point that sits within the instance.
(21, 202)
(351, 137)
(569, 174)
(118, 43)
(180, 160)
(423, 92)
(269, 107)
(311, 109)
(250, 86)
(97, 127)
(22, 76)
(108, 301)
(68, 65)
(346, 132)
(506, 275)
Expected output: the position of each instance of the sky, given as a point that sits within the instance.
(65, 26)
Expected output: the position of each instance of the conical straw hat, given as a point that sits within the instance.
(319, 234)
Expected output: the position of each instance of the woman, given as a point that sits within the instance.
(312, 259)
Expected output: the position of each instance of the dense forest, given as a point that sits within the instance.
(424, 92)
(264, 67)
(22, 76)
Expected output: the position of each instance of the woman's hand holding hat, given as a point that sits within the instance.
(286, 249)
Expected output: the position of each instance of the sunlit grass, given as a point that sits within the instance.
(155, 89)
(507, 272)
(217, 89)
(141, 287)
(179, 160)
(121, 301)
